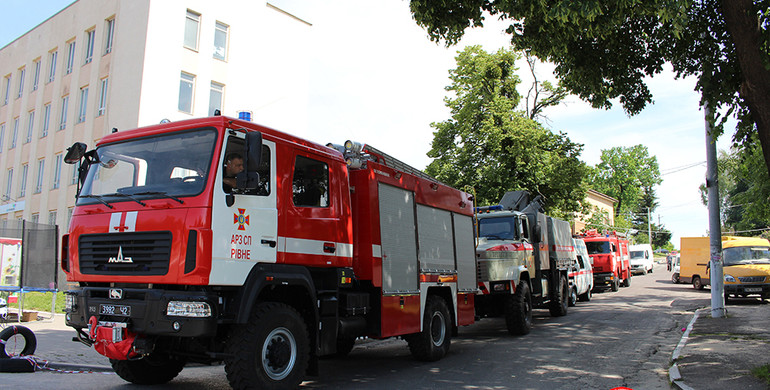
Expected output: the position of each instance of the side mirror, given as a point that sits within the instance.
(75, 153)
(249, 178)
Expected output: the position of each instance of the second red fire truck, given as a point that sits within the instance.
(313, 247)
(610, 257)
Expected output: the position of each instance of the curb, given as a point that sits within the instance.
(674, 376)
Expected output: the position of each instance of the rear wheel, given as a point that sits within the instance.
(696, 283)
(627, 281)
(573, 296)
(271, 351)
(586, 296)
(433, 342)
(559, 301)
(518, 310)
(155, 369)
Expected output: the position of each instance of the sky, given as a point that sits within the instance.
(376, 78)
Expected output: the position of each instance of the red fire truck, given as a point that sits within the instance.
(611, 261)
(311, 248)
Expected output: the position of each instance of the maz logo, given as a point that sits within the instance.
(120, 258)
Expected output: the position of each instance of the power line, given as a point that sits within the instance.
(681, 168)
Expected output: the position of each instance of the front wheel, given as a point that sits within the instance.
(433, 342)
(272, 351)
(518, 310)
(155, 369)
(627, 281)
(558, 306)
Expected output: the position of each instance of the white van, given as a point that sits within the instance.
(641, 258)
(581, 277)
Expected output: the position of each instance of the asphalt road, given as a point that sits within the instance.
(617, 339)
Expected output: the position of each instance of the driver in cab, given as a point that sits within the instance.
(233, 166)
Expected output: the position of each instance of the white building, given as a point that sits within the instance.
(104, 64)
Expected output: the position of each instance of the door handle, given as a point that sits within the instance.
(272, 243)
(329, 247)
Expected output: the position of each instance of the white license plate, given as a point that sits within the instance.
(753, 289)
(115, 310)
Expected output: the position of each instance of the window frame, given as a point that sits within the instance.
(83, 106)
(103, 85)
(194, 17)
(226, 31)
(221, 91)
(69, 63)
(90, 43)
(192, 82)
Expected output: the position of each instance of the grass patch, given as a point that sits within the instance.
(40, 301)
(762, 372)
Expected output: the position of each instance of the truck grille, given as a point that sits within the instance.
(125, 253)
(751, 279)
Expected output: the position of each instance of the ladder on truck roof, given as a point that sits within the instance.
(357, 154)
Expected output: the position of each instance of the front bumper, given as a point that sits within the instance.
(604, 279)
(747, 289)
(147, 309)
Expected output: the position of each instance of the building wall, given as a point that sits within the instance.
(266, 71)
(600, 201)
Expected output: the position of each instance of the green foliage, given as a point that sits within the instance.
(39, 301)
(624, 173)
(762, 372)
(744, 190)
(604, 50)
(490, 146)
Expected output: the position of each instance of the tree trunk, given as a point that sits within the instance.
(743, 26)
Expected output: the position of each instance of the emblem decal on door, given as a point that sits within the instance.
(241, 219)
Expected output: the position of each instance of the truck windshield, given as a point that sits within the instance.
(597, 247)
(171, 165)
(500, 228)
(746, 255)
(637, 254)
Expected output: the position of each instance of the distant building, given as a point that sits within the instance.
(104, 64)
(596, 200)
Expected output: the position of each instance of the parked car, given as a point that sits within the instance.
(675, 269)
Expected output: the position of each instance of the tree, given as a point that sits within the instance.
(541, 94)
(744, 191)
(624, 173)
(604, 49)
(493, 148)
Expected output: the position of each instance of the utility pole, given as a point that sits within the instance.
(715, 227)
(649, 227)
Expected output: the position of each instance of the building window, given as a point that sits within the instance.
(23, 184)
(89, 55)
(69, 216)
(8, 185)
(15, 132)
(109, 33)
(215, 97)
(52, 217)
(65, 101)
(20, 92)
(2, 136)
(6, 89)
(34, 218)
(191, 30)
(220, 41)
(70, 57)
(46, 120)
(30, 126)
(75, 172)
(52, 65)
(186, 92)
(36, 76)
(40, 171)
(57, 171)
(103, 97)
(83, 104)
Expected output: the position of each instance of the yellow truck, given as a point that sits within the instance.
(746, 265)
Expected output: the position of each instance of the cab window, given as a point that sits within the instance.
(310, 185)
